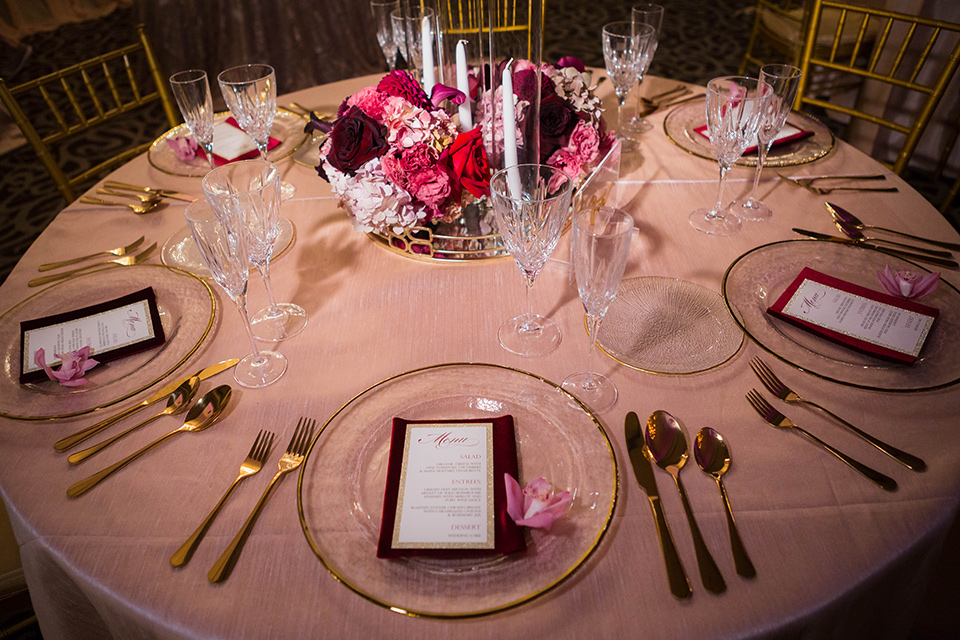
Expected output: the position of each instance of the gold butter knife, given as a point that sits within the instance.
(73, 440)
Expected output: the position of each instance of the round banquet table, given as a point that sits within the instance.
(835, 556)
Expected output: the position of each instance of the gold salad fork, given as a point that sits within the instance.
(788, 395)
(250, 466)
(125, 260)
(119, 251)
(290, 460)
(777, 419)
(807, 183)
(137, 208)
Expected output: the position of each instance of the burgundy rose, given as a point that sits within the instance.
(556, 118)
(357, 138)
(403, 85)
(469, 160)
(525, 85)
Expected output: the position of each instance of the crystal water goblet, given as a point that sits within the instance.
(250, 91)
(601, 244)
(407, 30)
(250, 192)
(381, 19)
(651, 14)
(781, 81)
(733, 108)
(191, 89)
(224, 249)
(627, 50)
(530, 218)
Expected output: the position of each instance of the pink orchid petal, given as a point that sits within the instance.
(926, 284)
(888, 281)
(571, 61)
(442, 92)
(72, 368)
(544, 519)
(39, 358)
(514, 497)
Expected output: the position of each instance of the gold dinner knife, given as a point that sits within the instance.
(73, 440)
(940, 262)
(642, 469)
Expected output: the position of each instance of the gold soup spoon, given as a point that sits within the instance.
(176, 403)
(713, 457)
(201, 415)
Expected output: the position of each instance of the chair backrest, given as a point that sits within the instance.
(777, 34)
(89, 93)
(910, 55)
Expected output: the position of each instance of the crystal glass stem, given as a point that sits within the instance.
(718, 208)
(241, 302)
(263, 268)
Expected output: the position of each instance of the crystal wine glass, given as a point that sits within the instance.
(601, 244)
(627, 50)
(407, 35)
(734, 105)
(530, 220)
(250, 192)
(782, 81)
(651, 14)
(192, 93)
(381, 18)
(224, 248)
(250, 92)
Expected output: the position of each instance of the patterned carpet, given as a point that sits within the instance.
(699, 41)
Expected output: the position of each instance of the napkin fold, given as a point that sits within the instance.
(231, 143)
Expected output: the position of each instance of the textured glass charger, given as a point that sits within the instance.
(757, 278)
(181, 251)
(340, 492)
(680, 123)
(669, 326)
(287, 128)
(186, 306)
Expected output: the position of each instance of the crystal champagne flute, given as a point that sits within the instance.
(627, 50)
(781, 82)
(250, 191)
(601, 244)
(381, 19)
(192, 93)
(651, 14)
(530, 222)
(250, 92)
(224, 249)
(733, 108)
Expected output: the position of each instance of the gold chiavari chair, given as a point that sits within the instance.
(471, 19)
(85, 95)
(913, 57)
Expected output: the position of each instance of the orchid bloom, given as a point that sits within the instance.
(534, 506)
(442, 92)
(74, 365)
(185, 148)
(907, 284)
(316, 124)
(571, 61)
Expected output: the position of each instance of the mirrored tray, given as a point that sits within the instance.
(340, 492)
(680, 123)
(757, 278)
(287, 128)
(187, 309)
(181, 251)
(668, 326)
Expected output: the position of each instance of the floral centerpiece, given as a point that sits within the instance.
(398, 161)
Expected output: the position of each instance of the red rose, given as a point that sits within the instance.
(356, 139)
(469, 161)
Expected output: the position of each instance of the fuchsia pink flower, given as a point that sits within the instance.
(907, 284)
(534, 506)
(185, 148)
(75, 365)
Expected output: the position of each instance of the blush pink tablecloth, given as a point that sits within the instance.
(836, 557)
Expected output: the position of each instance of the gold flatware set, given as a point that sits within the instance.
(126, 260)
(807, 183)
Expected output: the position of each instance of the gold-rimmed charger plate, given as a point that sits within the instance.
(187, 308)
(755, 280)
(680, 123)
(181, 251)
(340, 492)
(287, 128)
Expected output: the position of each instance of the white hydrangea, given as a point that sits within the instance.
(375, 203)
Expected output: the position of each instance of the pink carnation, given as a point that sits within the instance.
(371, 101)
(584, 143)
(568, 163)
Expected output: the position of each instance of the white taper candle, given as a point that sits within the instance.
(463, 84)
(426, 43)
(510, 133)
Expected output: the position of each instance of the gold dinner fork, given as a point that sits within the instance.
(785, 393)
(138, 208)
(807, 183)
(250, 466)
(125, 260)
(119, 251)
(293, 458)
(777, 419)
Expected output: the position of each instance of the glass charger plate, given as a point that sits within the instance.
(287, 127)
(757, 278)
(340, 491)
(186, 306)
(680, 123)
(181, 251)
(668, 326)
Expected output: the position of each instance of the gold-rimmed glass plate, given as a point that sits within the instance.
(668, 326)
(340, 493)
(181, 251)
(680, 125)
(187, 307)
(287, 128)
(757, 278)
